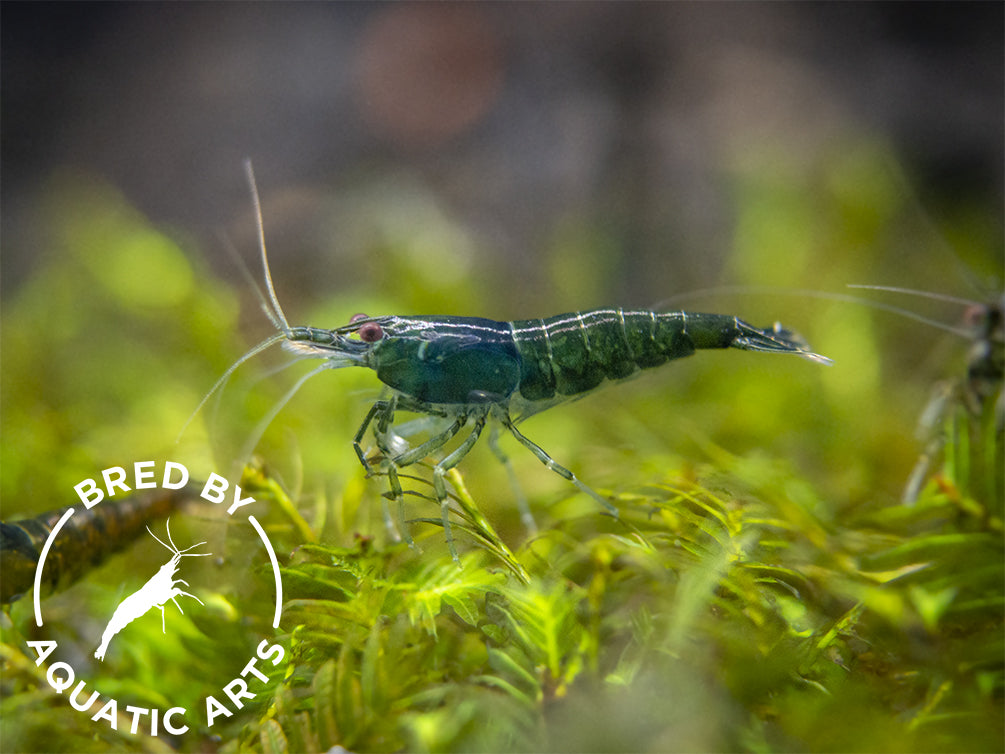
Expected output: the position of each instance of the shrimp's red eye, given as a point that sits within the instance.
(370, 332)
(356, 318)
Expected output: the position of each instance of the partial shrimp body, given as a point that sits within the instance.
(88, 537)
(465, 371)
(981, 393)
(983, 324)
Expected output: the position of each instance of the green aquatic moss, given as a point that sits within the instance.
(762, 588)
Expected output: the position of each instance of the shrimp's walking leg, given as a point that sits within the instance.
(417, 454)
(379, 407)
(442, 468)
(385, 410)
(398, 531)
(521, 500)
(548, 461)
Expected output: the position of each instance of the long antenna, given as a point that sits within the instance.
(250, 172)
(226, 376)
(263, 302)
(275, 315)
(913, 292)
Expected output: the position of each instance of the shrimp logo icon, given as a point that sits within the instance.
(160, 588)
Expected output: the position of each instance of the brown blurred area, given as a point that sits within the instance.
(514, 115)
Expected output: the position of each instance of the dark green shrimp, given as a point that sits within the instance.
(87, 538)
(469, 370)
(465, 371)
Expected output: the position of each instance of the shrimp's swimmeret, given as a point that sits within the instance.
(464, 371)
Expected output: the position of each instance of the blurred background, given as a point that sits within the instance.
(499, 160)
